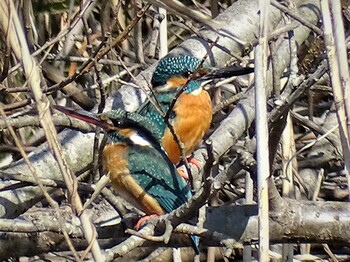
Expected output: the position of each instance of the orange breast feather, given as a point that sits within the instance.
(193, 118)
(115, 163)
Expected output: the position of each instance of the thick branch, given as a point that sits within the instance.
(311, 222)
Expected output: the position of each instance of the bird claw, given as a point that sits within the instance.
(163, 238)
(183, 173)
(194, 161)
(142, 220)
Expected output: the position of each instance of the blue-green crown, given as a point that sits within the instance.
(168, 67)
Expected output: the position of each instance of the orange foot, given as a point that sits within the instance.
(142, 220)
(182, 169)
(182, 173)
(194, 161)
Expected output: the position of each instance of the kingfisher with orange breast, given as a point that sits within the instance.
(138, 168)
(192, 112)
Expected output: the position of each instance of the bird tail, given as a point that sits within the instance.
(195, 242)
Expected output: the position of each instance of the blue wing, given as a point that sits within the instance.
(158, 177)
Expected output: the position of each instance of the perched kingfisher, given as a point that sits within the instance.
(138, 168)
(192, 113)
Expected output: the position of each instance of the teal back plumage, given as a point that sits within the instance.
(158, 177)
(148, 110)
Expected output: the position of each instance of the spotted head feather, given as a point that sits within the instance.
(170, 67)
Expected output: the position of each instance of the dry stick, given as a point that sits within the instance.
(187, 25)
(180, 8)
(163, 33)
(50, 200)
(117, 76)
(122, 36)
(249, 194)
(150, 98)
(83, 69)
(20, 48)
(296, 17)
(314, 198)
(138, 35)
(38, 224)
(30, 181)
(288, 144)
(154, 256)
(59, 120)
(330, 253)
(288, 101)
(57, 38)
(227, 102)
(338, 92)
(154, 36)
(288, 150)
(6, 63)
(69, 41)
(263, 167)
(176, 255)
(332, 138)
(101, 106)
(339, 37)
(312, 143)
(16, 105)
(79, 59)
(99, 54)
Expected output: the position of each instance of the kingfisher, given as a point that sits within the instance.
(138, 167)
(191, 113)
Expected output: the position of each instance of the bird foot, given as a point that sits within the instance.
(142, 220)
(183, 172)
(194, 161)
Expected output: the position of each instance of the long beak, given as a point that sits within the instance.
(85, 116)
(227, 72)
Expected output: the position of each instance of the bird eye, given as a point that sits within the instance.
(116, 122)
(186, 74)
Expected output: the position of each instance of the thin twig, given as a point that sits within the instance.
(297, 17)
(51, 201)
(341, 53)
(31, 70)
(338, 91)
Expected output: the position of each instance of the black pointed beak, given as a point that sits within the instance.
(226, 72)
(85, 116)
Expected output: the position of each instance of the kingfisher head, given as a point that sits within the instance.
(173, 72)
(121, 126)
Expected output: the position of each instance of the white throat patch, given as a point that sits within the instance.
(197, 91)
